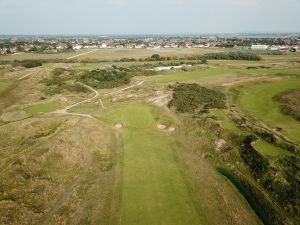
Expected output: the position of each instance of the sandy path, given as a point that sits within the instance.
(86, 53)
(65, 110)
(29, 74)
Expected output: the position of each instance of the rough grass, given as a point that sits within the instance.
(257, 100)
(5, 85)
(56, 171)
(43, 108)
(223, 119)
(290, 103)
(154, 190)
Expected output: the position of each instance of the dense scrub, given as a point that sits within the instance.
(263, 207)
(257, 163)
(233, 56)
(31, 63)
(60, 82)
(106, 78)
(195, 98)
(290, 103)
(28, 63)
(279, 177)
(65, 80)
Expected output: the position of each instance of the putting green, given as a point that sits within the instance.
(154, 190)
(257, 100)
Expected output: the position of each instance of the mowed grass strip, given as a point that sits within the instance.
(42, 108)
(191, 76)
(257, 100)
(154, 189)
(268, 149)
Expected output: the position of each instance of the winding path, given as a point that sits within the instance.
(65, 110)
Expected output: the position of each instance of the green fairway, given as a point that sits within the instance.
(5, 85)
(258, 101)
(191, 76)
(154, 189)
(42, 108)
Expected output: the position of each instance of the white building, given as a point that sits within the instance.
(77, 47)
(103, 45)
(259, 47)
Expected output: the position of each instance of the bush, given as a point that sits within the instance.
(106, 78)
(58, 71)
(31, 63)
(233, 56)
(193, 97)
(262, 206)
(258, 164)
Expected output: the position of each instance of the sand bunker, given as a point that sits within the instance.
(119, 125)
(161, 126)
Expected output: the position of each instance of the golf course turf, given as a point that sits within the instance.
(42, 108)
(154, 190)
(258, 100)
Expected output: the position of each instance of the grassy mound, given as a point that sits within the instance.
(290, 103)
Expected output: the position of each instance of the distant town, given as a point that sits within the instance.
(56, 44)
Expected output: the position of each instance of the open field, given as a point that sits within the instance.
(113, 54)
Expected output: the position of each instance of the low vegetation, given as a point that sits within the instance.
(60, 82)
(290, 103)
(106, 78)
(256, 162)
(31, 63)
(191, 98)
(233, 56)
(6, 86)
(264, 208)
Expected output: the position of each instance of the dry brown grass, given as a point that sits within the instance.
(56, 171)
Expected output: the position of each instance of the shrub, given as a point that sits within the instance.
(262, 206)
(233, 56)
(258, 164)
(31, 63)
(58, 71)
(193, 97)
(106, 78)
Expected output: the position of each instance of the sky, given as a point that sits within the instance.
(104, 17)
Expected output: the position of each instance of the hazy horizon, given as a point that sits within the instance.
(145, 17)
